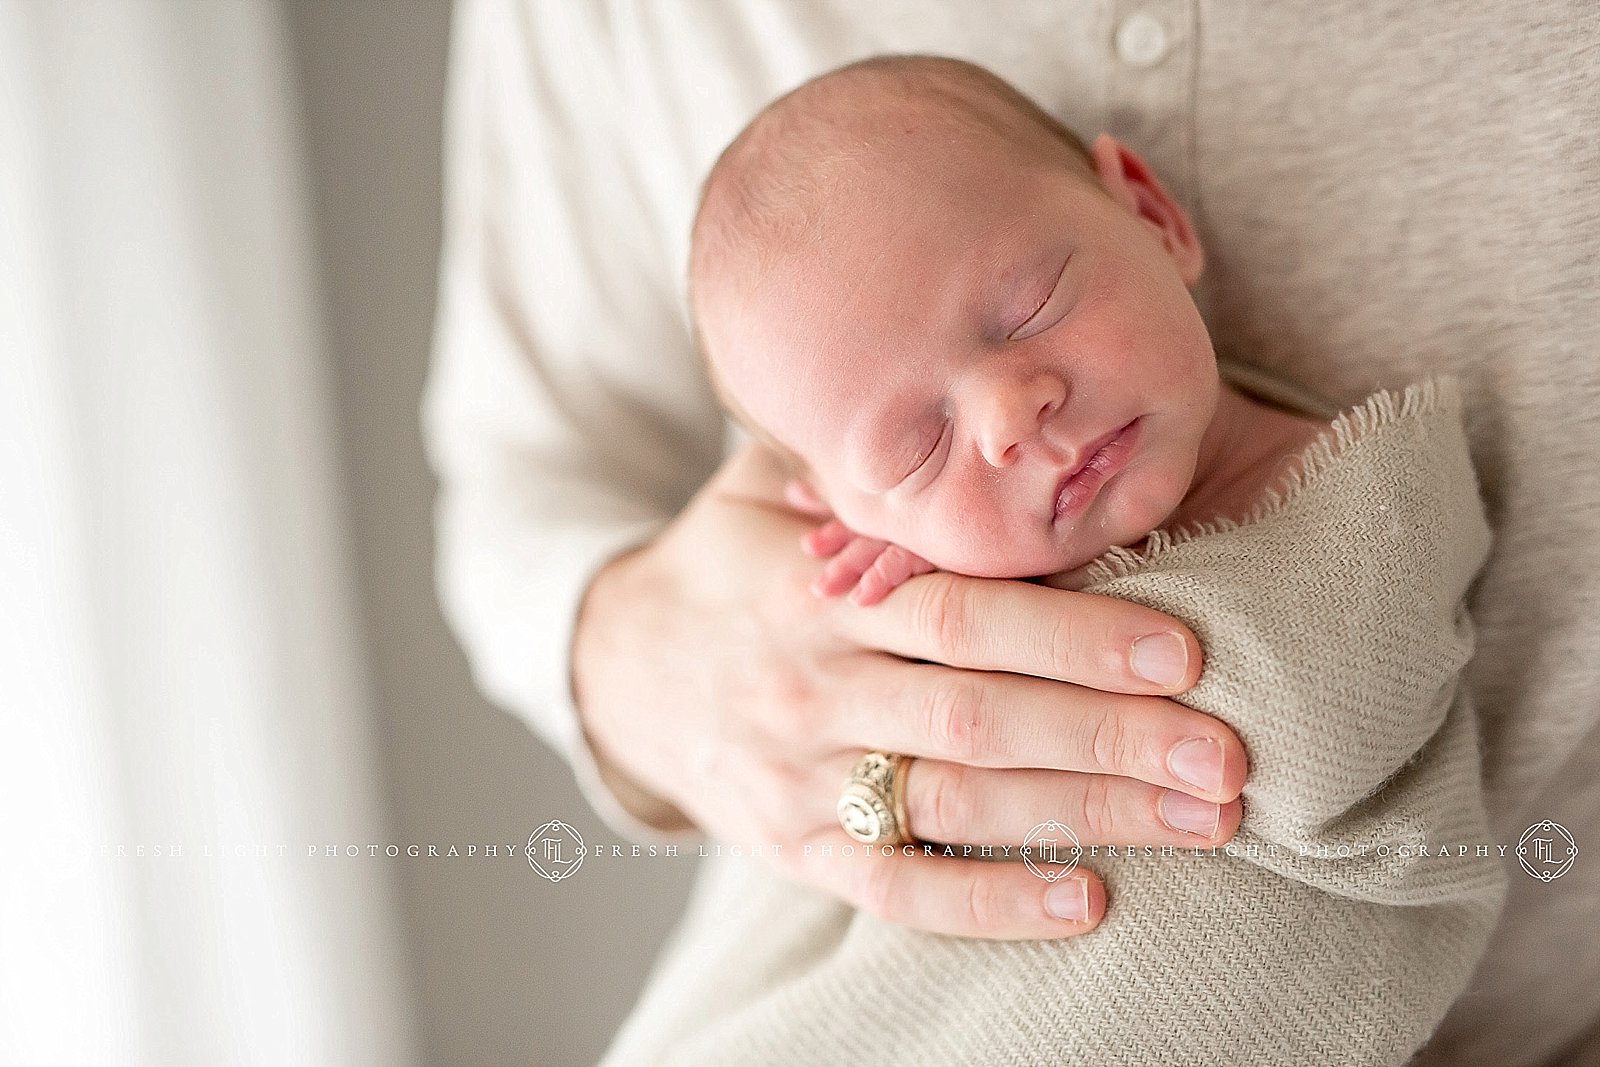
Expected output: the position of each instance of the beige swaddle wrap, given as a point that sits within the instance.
(1334, 627)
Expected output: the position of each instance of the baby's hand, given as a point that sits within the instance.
(871, 566)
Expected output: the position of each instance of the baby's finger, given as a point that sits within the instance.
(826, 539)
(846, 568)
(892, 567)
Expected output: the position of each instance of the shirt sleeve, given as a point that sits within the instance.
(564, 414)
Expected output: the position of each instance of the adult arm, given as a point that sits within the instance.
(559, 445)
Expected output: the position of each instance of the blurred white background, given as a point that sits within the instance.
(219, 225)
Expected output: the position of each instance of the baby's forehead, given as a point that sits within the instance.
(868, 122)
(845, 132)
(805, 170)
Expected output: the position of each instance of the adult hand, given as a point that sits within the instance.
(708, 674)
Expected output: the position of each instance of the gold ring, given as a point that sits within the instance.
(872, 807)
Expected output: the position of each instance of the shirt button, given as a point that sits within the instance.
(1141, 40)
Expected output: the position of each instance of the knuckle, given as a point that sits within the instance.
(947, 803)
(980, 907)
(1080, 647)
(1110, 746)
(1097, 809)
(952, 720)
(883, 566)
(789, 698)
(1063, 642)
(941, 614)
(879, 889)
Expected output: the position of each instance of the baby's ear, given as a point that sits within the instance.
(802, 497)
(1132, 183)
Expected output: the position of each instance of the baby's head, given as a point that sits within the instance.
(936, 304)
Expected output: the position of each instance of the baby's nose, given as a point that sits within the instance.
(1013, 416)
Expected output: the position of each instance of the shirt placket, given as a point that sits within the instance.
(1149, 91)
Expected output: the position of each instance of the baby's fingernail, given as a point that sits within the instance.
(1161, 658)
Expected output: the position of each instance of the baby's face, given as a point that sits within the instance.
(964, 334)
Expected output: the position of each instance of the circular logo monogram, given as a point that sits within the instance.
(1546, 851)
(1051, 850)
(555, 850)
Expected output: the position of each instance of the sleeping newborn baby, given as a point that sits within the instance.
(969, 338)
(971, 341)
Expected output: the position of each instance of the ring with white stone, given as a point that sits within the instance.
(872, 807)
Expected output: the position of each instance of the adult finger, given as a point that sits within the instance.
(947, 801)
(984, 624)
(920, 887)
(996, 719)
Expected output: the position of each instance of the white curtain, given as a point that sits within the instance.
(179, 665)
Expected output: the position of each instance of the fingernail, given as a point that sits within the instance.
(1068, 899)
(1161, 658)
(1197, 761)
(1183, 812)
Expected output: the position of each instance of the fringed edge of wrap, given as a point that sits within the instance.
(1381, 409)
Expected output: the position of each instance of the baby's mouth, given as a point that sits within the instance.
(1106, 456)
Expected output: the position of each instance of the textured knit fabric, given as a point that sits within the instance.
(1335, 626)
(1385, 190)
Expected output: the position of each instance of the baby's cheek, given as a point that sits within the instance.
(973, 541)
(865, 520)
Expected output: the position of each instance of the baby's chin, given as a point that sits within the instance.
(1133, 507)
(1123, 518)
(1021, 561)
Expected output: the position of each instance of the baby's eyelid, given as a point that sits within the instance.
(1032, 324)
(923, 462)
